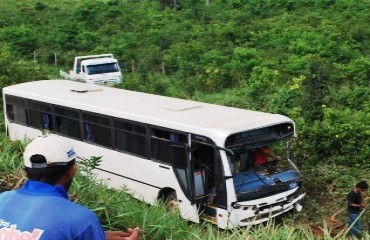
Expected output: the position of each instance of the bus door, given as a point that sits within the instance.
(184, 174)
(209, 181)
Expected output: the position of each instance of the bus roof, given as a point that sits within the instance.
(214, 121)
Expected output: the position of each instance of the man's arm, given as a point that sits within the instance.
(361, 205)
(131, 234)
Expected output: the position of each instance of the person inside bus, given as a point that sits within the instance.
(40, 209)
(246, 161)
(264, 161)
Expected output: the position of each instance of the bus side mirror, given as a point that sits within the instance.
(179, 156)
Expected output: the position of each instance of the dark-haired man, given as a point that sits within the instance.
(40, 210)
(355, 206)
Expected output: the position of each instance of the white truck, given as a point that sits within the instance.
(100, 69)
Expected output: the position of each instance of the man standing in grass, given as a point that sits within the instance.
(40, 210)
(355, 207)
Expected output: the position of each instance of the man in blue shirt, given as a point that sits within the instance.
(40, 210)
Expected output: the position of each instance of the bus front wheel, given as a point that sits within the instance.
(171, 201)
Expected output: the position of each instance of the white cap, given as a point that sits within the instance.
(56, 150)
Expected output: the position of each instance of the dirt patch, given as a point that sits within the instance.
(10, 181)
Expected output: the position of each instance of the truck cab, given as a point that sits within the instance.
(100, 69)
(103, 71)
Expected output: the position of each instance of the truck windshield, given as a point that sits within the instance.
(102, 68)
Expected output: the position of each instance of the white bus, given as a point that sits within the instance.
(195, 156)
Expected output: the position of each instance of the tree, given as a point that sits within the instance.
(314, 89)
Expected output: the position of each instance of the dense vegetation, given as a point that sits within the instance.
(305, 59)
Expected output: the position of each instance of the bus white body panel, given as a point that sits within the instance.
(19, 132)
(154, 146)
(137, 183)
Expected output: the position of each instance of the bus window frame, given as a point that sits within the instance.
(96, 124)
(145, 135)
(168, 141)
(33, 107)
(10, 100)
(59, 115)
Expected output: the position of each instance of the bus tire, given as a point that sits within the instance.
(171, 201)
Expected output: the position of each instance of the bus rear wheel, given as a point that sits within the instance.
(171, 201)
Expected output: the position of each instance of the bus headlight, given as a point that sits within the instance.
(293, 185)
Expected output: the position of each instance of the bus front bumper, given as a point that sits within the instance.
(261, 210)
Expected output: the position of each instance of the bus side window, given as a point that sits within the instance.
(67, 122)
(130, 137)
(174, 137)
(202, 155)
(16, 109)
(97, 129)
(161, 141)
(40, 120)
(46, 121)
(10, 112)
(35, 118)
(40, 115)
(88, 135)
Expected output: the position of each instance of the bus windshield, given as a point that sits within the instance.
(261, 162)
(102, 68)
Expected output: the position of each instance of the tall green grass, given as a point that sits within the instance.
(10, 155)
